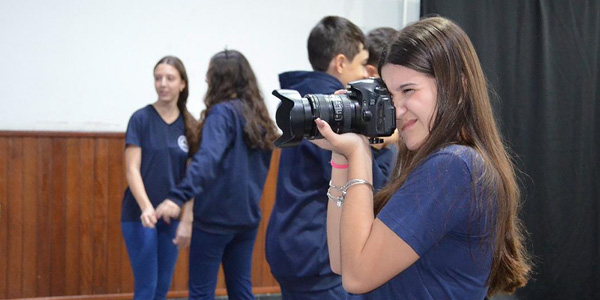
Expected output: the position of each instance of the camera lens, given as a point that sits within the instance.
(296, 115)
(337, 110)
(366, 108)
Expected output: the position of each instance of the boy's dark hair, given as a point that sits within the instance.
(332, 36)
(376, 41)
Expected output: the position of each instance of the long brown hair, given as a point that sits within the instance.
(190, 122)
(441, 49)
(230, 76)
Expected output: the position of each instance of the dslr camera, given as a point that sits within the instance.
(366, 108)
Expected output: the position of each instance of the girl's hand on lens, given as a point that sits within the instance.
(345, 144)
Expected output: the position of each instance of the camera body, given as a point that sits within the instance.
(366, 108)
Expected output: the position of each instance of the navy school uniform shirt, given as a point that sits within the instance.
(296, 241)
(225, 177)
(433, 213)
(164, 155)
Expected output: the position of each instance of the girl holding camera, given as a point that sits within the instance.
(446, 225)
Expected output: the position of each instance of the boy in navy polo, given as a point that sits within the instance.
(296, 243)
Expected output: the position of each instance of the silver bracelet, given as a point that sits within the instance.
(338, 200)
(352, 182)
(339, 188)
(344, 189)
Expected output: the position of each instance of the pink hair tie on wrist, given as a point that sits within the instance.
(334, 165)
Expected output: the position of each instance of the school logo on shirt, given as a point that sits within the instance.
(182, 142)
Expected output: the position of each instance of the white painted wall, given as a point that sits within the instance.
(86, 65)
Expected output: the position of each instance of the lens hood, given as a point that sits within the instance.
(291, 117)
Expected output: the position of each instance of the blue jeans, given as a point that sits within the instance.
(208, 250)
(153, 256)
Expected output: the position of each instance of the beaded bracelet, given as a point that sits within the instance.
(344, 190)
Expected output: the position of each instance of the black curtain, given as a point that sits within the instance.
(542, 60)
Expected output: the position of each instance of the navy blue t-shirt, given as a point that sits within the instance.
(433, 212)
(164, 155)
(226, 177)
(296, 241)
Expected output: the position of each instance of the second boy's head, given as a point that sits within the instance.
(376, 41)
(336, 46)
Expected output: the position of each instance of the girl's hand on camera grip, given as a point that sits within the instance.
(345, 144)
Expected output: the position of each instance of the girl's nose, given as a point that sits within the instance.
(400, 108)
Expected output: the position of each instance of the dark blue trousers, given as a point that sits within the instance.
(208, 251)
(335, 293)
(153, 256)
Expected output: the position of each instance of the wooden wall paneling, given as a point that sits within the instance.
(30, 201)
(127, 279)
(100, 216)
(221, 288)
(3, 218)
(44, 239)
(15, 218)
(180, 277)
(269, 208)
(57, 218)
(86, 215)
(260, 268)
(60, 235)
(269, 201)
(115, 195)
(270, 190)
(72, 209)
